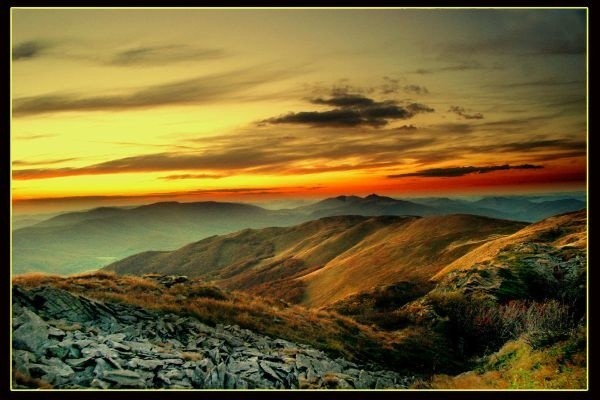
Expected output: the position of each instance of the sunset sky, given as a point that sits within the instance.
(132, 106)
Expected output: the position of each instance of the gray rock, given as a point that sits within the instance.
(206, 364)
(150, 365)
(197, 379)
(164, 378)
(230, 339)
(124, 379)
(269, 371)
(118, 346)
(52, 331)
(343, 384)
(102, 366)
(174, 361)
(80, 363)
(242, 365)
(100, 384)
(212, 379)
(22, 359)
(215, 355)
(174, 374)
(50, 370)
(112, 352)
(181, 384)
(365, 380)
(55, 350)
(229, 381)
(32, 334)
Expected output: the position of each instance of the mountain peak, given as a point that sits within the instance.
(346, 198)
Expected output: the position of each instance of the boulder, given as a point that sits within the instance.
(32, 334)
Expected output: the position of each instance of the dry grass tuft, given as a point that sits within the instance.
(33, 383)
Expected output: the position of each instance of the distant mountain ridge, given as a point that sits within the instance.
(80, 241)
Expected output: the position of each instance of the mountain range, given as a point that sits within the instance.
(79, 241)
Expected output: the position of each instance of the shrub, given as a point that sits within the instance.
(546, 323)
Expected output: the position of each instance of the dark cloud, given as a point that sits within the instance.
(338, 117)
(462, 112)
(451, 68)
(416, 89)
(390, 86)
(534, 145)
(28, 50)
(164, 55)
(462, 128)
(346, 100)
(417, 108)
(353, 110)
(537, 83)
(461, 171)
(189, 91)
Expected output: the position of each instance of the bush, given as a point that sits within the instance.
(478, 325)
(547, 323)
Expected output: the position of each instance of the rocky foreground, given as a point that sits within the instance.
(68, 341)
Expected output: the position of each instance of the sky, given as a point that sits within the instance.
(131, 106)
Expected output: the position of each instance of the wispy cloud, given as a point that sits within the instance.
(546, 82)
(452, 68)
(243, 191)
(24, 163)
(33, 136)
(189, 91)
(155, 55)
(461, 171)
(261, 151)
(462, 112)
(30, 49)
(416, 89)
(192, 176)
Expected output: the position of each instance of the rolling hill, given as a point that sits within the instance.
(322, 261)
(76, 242)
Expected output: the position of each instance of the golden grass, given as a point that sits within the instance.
(576, 236)
(410, 249)
(191, 356)
(517, 366)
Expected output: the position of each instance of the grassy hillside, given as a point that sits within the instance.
(322, 261)
(512, 314)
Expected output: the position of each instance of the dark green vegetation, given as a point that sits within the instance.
(81, 241)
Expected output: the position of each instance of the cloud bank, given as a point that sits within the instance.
(352, 110)
(461, 171)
